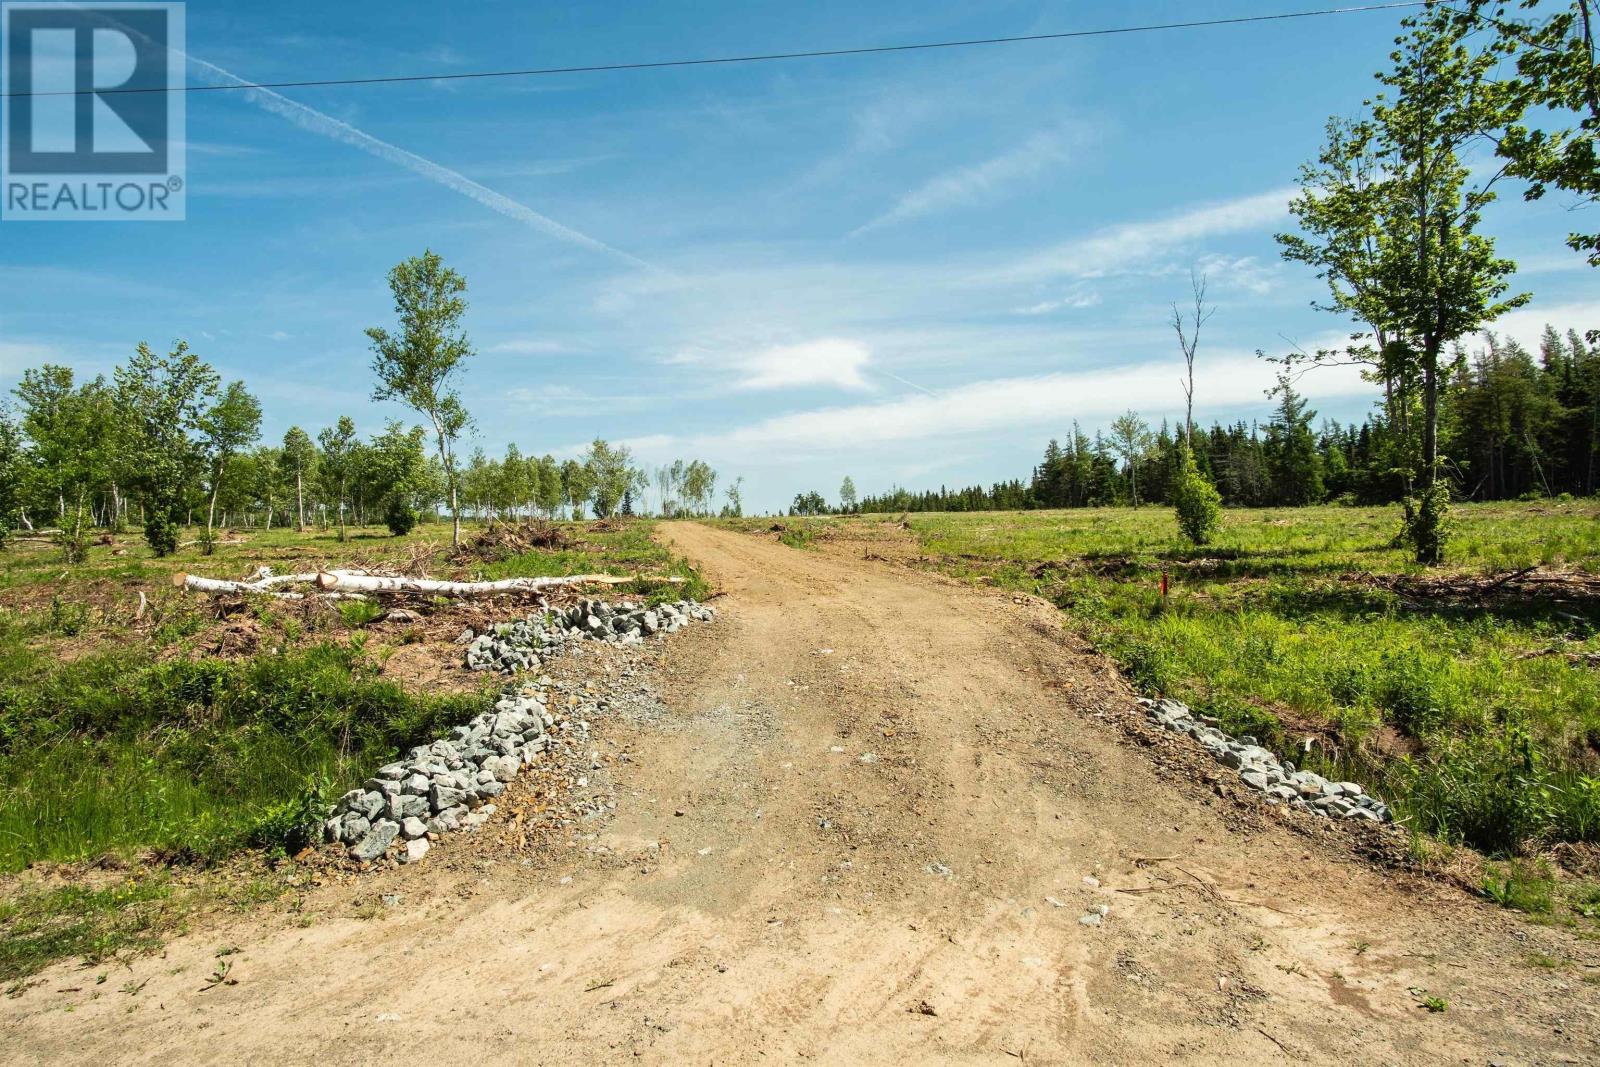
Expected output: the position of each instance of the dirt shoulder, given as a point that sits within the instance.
(867, 826)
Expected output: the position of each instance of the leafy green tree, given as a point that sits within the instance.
(296, 461)
(1195, 501)
(419, 364)
(735, 506)
(514, 484)
(698, 483)
(1130, 438)
(548, 493)
(847, 495)
(611, 474)
(577, 482)
(396, 475)
(229, 426)
(1431, 278)
(164, 399)
(11, 466)
(477, 484)
(809, 504)
(1557, 77)
(338, 462)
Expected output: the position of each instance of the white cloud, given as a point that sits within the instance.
(528, 347)
(1526, 324)
(279, 335)
(831, 361)
(17, 356)
(967, 185)
(1002, 405)
(1117, 249)
(1238, 272)
(1076, 299)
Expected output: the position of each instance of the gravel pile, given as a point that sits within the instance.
(444, 786)
(514, 646)
(1277, 780)
(450, 785)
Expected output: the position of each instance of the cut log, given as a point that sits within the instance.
(344, 581)
(351, 585)
(256, 585)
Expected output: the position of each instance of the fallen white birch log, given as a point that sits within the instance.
(351, 585)
(255, 585)
(344, 581)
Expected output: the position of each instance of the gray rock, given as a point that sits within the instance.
(442, 798)
(415, 849)
(375, 841)
(413, 827)
(407, 806)
(504, 768)
(1254, 779)
(354, 828)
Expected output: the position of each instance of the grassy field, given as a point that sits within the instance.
(121, 735)
(1476, 713)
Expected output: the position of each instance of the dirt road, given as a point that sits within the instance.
(868, 831)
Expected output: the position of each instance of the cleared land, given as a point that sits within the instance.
(1470, 695)
(922, 905)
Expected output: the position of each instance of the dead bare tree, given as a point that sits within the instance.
(1188, 331)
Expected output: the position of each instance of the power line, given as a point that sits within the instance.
(603, 68)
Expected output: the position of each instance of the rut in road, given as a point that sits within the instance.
(869, 830)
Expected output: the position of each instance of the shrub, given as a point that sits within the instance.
(160, 532)
(400, 517)
(1197, 503)
(1427, 523)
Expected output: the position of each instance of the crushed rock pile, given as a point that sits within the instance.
(512, 646)
(444, 786)
(450, 785)
(1277, 780)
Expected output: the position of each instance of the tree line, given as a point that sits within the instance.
(164, 444)
(1514, 425)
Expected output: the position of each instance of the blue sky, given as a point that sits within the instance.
(910, 268)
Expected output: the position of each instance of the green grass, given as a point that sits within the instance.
(40, 926)
(194, 758)
(1279, 631)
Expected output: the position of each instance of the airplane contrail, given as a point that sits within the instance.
(318, 122)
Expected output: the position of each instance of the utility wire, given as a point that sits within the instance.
(765, 58)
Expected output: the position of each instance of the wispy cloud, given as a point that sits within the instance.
(528, 347)
(967, 185)
(1075, 299)
(1118, 248)
(832, 362)
(997, 405)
